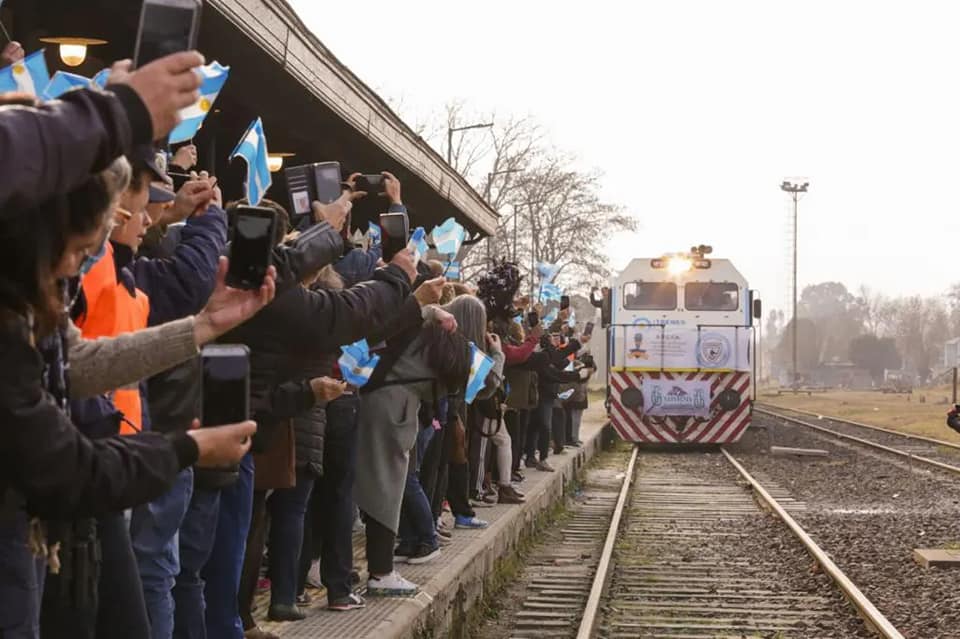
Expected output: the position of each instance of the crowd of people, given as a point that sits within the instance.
(122, 514)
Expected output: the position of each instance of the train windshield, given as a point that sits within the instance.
(711, 296)
(650, 296)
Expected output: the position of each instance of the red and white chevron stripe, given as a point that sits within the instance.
(722, 427)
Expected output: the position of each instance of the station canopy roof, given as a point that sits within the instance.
(311, 104)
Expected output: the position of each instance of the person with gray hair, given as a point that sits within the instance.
(434, 363)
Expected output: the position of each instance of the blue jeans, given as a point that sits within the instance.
(222, 572)
(417, 525)
(21, 585)
(287, 508)
(197, 534)
(153, 531)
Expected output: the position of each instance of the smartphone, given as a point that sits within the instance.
(564, 302)
(395, 228)
(372, 185)
(251, 246)
(533, 318)
(226, 384)
(308, 183)
(166, 26)
(588, 329)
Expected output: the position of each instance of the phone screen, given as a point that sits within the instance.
(533, 319)
(226, 383)
(251, 247)
(328, 182)
(588, 329)
(165, 29)
(396, 229)
(564, 302)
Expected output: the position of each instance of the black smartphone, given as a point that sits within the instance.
(588, 329)
(166, 26)
(307, 183)
(251, 246)
(226, 384)
(395, 229)
(372, 185)
(564, 302)
(533, 318)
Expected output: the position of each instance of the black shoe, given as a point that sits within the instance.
(285, 613)
(403, 553)
(424, 553)
(517, 477)
(530, 463)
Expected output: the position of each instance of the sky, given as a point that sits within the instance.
(695, 111)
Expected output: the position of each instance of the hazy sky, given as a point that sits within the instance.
(695, 112)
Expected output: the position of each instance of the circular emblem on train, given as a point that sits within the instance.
(714, 350)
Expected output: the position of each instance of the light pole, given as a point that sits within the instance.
(452, 129)
(795, 189)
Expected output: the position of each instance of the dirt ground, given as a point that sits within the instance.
(923, 412)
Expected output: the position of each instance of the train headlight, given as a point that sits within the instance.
(632, 398)
(729, 399)
(679, 265)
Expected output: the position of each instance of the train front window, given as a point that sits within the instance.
(711, 296)
(650, 296)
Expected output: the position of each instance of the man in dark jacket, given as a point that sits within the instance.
(548, 364)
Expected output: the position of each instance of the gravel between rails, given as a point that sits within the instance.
(697, 558)
(869, 510)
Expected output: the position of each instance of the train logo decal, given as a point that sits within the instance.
(714, 350)
(677, 400)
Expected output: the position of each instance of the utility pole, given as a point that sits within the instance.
(795, 189)
(453, 129)
(486, 198)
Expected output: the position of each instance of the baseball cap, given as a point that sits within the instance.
(156, 161)
(161, 195)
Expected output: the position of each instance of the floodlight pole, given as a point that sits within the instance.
(795, 189)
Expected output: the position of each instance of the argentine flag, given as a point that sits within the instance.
(375, 234)
(253, 149)
(448, 237)
(480, 367)
(356, 363)
(550, 318)
(61, 82)
(29, 75)
(214, 77)
(452, 270)
(101, 78)
(565, 395)
(418, 244)
(547, 271)
(550, 292)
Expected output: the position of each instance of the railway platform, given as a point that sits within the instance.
(451, 585)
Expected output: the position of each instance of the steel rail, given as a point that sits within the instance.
(864, 606)
(866, 442)
(841, 420)
(589, 620)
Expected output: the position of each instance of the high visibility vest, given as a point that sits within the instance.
(112, 311)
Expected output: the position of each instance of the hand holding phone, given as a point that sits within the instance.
(395, 228)
(226, 384)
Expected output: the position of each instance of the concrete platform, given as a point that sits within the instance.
(453, 583)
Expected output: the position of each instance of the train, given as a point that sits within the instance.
(681, 365)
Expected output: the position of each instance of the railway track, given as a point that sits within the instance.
(918, 449)
(695, 555)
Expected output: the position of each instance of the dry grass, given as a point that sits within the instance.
(922, 413)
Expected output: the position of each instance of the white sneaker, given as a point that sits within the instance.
(392, 585)
(313, 576)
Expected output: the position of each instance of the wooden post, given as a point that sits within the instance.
(954, 384)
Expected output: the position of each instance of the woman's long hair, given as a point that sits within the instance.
(33, 242)
(448, 354)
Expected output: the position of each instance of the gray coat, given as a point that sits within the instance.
(388, 428)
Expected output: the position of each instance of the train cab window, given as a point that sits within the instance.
(711, 296)
(650, 296)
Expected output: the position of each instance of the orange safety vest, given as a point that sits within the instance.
(112, 311)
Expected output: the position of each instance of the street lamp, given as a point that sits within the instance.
(795, 189)
(452, 129)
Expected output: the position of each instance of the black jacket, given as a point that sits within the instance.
(56, 470)
(310, 427)
(301, 326)
(549, 364)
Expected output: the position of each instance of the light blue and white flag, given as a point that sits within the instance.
(565, 395)
(570, 368)
(572, 320)
(550, 292)
(29, 75)
(191, 118)
(375, 234)
(551, 317)
(547, 271)
(480, 367)
(451, 270)
(448, 237)
(418, 243)
(356, 363)
(61, 82)
(101, 78)
(253, 149)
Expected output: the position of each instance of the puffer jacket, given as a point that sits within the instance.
(309, 428)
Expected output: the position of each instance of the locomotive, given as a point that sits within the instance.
(680, 350)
